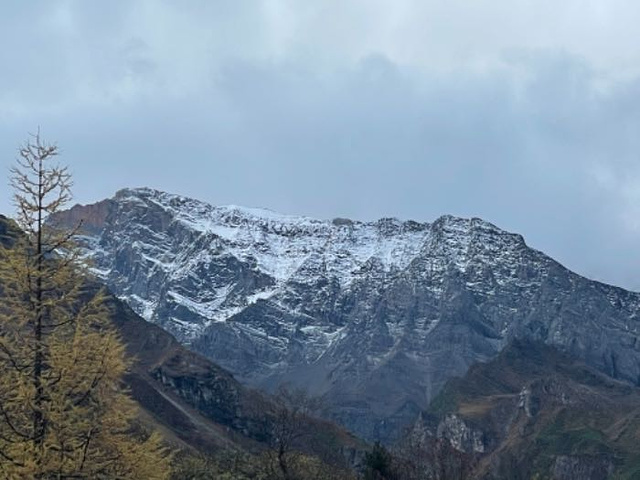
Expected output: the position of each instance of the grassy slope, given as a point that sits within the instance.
(575, 411)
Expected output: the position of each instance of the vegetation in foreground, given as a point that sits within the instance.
(63, 411)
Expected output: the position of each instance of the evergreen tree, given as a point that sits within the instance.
(63, 412)
(378, 464)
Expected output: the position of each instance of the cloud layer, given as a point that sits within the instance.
(523, 113)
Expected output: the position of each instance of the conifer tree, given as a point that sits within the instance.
(63, 411)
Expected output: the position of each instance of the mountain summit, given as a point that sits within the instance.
(373, 316)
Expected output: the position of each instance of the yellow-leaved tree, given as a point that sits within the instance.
(63, 411)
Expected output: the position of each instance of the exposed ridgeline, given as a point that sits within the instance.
(197, 404)
(375, 316)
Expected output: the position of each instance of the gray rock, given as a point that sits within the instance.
(460, 435)
(582, 468)
(375, 317)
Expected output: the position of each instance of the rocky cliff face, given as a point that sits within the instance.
(90, 218)
(459, 435)
(375, 317)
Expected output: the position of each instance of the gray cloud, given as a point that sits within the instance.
(347, 109)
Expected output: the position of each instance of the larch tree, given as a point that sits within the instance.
(63, 411)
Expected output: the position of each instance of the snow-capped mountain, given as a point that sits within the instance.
(374, 316)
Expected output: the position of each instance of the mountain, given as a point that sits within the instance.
(196, 404)
(534, 412)
(373, 316)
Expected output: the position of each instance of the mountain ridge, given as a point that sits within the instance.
(374, 316)
(221, 221)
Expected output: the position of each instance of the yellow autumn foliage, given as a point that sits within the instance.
(63, 410)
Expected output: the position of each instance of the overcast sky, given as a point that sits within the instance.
(523, 112)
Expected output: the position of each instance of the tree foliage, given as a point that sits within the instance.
(63, 411)
(378, 464)
(291, 409)
(233, 465)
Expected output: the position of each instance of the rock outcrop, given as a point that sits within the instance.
(534, 412)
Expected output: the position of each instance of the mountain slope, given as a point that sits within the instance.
(534, 410)
(195, 403)
(375, 317)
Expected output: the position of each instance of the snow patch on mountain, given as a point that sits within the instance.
(345, 307)
(289, 250)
